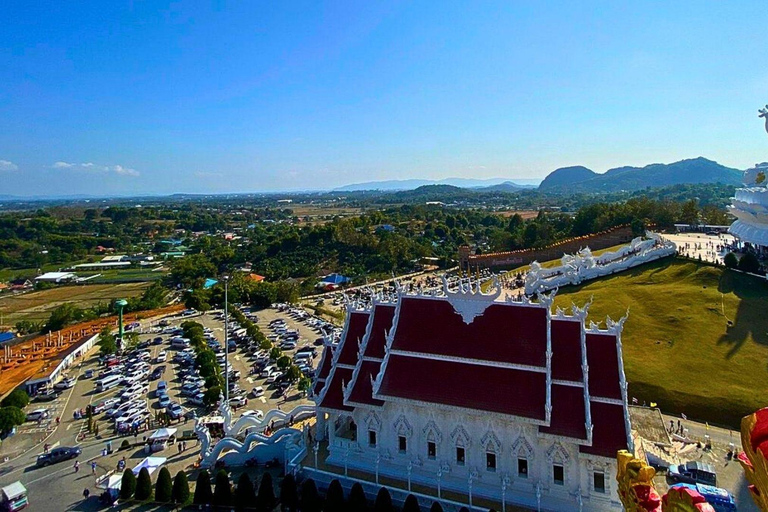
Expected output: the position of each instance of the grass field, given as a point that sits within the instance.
(696, 341)
(37, 306)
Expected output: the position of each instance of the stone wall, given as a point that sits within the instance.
(510, 259)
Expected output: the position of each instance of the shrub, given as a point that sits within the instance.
(203, 493)
(411, 504)
(357, 499)
(383, 501)
(436, 507)
(334, 498)
(18, 398)
(143, 485)
(749, 263)
(222, 493)
(730, 260)
(289, 499)
(245, 497)
(180, 491)
(265, 501)
(10, 417)
(163, 486)
(127, 485)
(310, 500)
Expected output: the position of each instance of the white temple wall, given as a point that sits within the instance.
(478, 434)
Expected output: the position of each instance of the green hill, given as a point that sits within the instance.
(694, 170)
(696, 341)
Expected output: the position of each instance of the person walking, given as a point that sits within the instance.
(86, 493)
(77, 466)
(93, 467)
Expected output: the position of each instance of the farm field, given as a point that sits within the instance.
(36, 306)
(696, 341)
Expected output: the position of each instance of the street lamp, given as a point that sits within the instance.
(226, 339)
(378, 461)
(410, 468)
(504, 484)
(439, 478)
(471, 477)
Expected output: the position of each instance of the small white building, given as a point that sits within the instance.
(56, 277)
(458, 391)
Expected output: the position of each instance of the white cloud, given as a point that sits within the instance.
(7, 165)
(90, 166)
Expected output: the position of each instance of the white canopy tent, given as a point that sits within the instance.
(163, 433)
(151, 463)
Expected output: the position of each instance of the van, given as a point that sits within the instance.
(108, 382)
(303, 356)
(37, 414)
(179, 343)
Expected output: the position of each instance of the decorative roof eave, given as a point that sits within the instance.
(467, 360)
(585, 375)
(389, 336)
(566, 439)
(461, 410)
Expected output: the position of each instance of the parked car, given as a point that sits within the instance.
(720, 499)
(66, 383)
(163, 400)
(59, 454)
(157, 340)
(47, 395)
(88, 374)
(105, 405)
(238, 401)
(692, 472)
(161, 357)
(174, 411)
(257, 392)
(38, 414)
(273, 377)
(197, 399)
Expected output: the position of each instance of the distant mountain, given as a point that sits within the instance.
(693, 171)
(392, 185)
(566, 176)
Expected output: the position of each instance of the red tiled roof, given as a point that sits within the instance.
(349, 346)
(484, 388)
(568, 413)
(334, 394)
(603, 361)
(566, 350)
(325, 369)
(609, 434)
(362, 389)
(383, 314)
(509, 333)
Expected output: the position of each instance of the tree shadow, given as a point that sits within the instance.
(750, 316)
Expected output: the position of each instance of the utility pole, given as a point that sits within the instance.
(226, 339)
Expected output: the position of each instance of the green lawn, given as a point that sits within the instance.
(696, 341)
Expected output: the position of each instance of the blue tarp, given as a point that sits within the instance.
(335, 279)
(209, 282)
(6, 336)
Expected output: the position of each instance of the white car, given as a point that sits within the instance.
(65, 383)
(257, 392)
(106, 405)
(258, 414)
(238, 401)
(273, 377)
(161, 357)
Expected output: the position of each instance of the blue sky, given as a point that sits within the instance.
(157, 97)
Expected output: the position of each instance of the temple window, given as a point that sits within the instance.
(431, 450)
(558, 474)
(372, 438)
(459, 456)
(490, 461)
(402, 444)
(598, 478)
(522, 468)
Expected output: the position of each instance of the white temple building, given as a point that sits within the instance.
(507, 401)
(750, 207)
